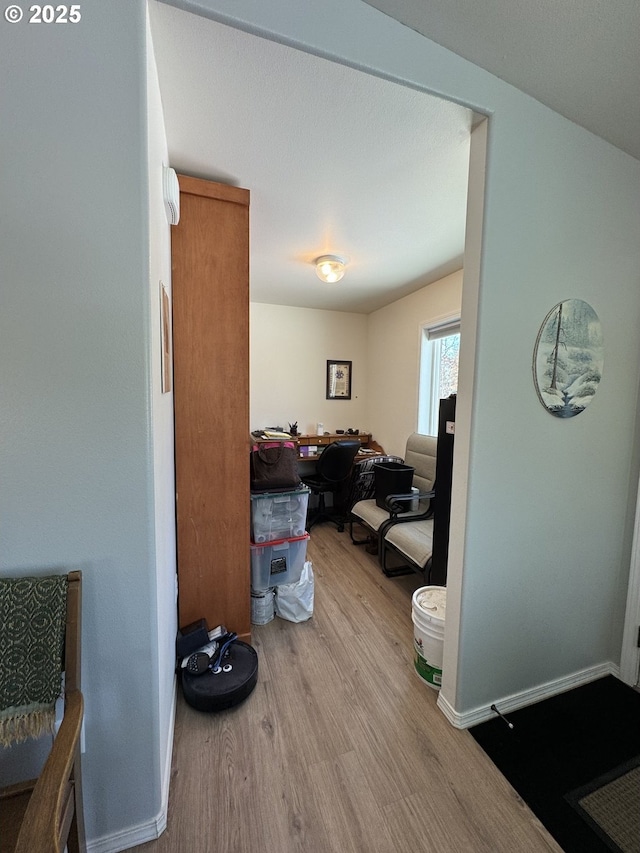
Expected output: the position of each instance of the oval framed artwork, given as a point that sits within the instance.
(568, 358)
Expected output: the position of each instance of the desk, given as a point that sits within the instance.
(303, 442)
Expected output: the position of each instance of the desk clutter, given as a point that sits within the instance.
(293, 432)
(309, 446)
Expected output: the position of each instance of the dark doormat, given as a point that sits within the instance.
(563, 744)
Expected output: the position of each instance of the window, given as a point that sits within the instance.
(438, 371)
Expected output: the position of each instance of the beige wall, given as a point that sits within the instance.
(290, 347)
(289, 352)
(394, 358)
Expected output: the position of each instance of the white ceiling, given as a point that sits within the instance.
(579, 57)
(337, 161)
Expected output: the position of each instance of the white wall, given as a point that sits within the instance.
(547, 545)
(165, 616)
(289, 351)
(541, 576)
(394, 340)
(78, 419)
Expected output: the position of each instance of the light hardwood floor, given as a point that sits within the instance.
(341, 746)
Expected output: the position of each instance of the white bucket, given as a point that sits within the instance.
(262, 606)
(428, 607)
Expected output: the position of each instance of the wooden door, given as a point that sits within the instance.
(210, 261)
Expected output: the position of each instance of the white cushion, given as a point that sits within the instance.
(414, 539)
(370, 514)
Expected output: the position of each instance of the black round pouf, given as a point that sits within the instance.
(217, 691)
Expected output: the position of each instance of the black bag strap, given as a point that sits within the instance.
(271, 458)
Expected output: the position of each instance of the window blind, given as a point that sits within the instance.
(443, 330)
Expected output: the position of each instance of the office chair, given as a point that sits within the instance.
(332, 469)
(42, 614)
(362, 486)
(407, 533)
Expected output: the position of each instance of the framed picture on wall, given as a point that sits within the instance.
(568, 358)
(165, 339)
(338, 380)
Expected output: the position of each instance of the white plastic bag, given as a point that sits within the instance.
(294, 601)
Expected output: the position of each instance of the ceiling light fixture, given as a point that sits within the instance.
(330, 268)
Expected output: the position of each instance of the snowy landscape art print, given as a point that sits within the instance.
(568, 358)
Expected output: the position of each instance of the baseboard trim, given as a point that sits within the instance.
(149, 830)
(166, 778)
(526, 697)
(126, 838)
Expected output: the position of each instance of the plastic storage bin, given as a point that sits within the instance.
(278, 515)
(278, 562)
(392, 478)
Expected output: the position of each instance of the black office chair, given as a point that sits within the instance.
(332, 469)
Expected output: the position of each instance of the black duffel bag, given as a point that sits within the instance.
(274, 466)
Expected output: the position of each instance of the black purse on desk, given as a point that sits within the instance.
(274, 466)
